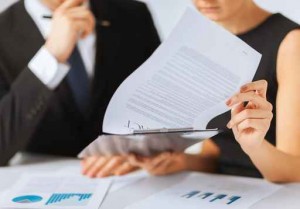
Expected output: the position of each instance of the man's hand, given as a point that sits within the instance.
(106, 166)
(70, 22)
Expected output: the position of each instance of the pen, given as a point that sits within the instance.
(104, 23)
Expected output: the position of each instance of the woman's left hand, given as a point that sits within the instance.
(250, 123)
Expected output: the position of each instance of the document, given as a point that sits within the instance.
(184, 84)
(210, 192)
(56, 192)
(186, 81)
(118, 182)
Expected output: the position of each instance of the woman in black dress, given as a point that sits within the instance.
(256, 147)
(247, 152)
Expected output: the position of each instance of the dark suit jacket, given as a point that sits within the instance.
(35, 119)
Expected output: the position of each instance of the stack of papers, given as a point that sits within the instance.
(182, 86)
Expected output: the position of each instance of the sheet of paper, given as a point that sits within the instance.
(187, 80)
(210, 192)
(118, 182)
(56, 192)
(146, 145)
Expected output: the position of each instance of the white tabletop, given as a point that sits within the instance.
(287, 198)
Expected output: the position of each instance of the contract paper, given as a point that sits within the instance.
(184, 84)
(187, 80)
(210, 192)
(56, 192)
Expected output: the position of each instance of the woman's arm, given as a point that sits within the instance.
(282, 163)
(250, 125)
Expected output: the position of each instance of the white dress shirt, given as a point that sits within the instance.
(44, 65)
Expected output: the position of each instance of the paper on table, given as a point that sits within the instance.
(118, 182)
(210, 192)
(186, 81)
(56, 192)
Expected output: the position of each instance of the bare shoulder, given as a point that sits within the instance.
(291, 41)
(288, 61)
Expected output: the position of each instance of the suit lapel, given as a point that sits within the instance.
(108, 43)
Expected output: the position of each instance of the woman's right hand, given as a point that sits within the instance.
(250, 123)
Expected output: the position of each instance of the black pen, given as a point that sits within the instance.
(104, 23)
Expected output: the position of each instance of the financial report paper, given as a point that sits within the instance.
(56, 192)
(210, 192)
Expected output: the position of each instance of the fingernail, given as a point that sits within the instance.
(243, 88)
(229, 125)
(228, 102)
(100, 175)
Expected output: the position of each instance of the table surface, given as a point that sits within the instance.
(287, 198)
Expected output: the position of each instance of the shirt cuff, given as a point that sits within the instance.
(46, 68)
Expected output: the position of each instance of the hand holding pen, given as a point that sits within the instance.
(71, 21)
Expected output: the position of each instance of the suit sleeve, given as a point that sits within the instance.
(22, 106)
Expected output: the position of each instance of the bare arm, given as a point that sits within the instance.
(280, 163)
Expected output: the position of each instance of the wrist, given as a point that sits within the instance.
(60, 57)
(253, 150)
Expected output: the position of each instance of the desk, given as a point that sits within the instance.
(287, 198)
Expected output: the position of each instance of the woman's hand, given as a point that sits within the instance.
(162, 164)
(250, 123)
(100, 166)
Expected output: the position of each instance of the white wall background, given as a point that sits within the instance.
(167, 12)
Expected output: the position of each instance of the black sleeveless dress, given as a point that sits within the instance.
(266, 39)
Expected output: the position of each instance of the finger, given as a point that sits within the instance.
(82, 27)
(71, 3)
(78, 10)
(110, 167)
(252, 97)
(136, 161)
(164, 157)
(125, 168)
(237, 109)
(96, 167)
(249, 114)
(87, 163)
(162, 169)
(257, 124)
(259, 86)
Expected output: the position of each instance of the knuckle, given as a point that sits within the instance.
(264, 83)
(247, 113)
(248, 122)
(270, 106)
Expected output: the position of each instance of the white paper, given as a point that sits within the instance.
(118, 182)
(56, 192)
(186, 81)
(210, 192)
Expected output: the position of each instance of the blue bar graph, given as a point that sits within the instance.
(71, 199)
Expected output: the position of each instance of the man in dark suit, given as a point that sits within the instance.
(57, 76)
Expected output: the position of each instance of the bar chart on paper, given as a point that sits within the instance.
(71, 199)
